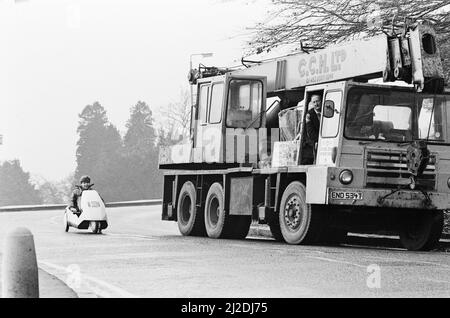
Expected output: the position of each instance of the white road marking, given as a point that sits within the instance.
(336, 261)
(373, 247)
(409, 261)
(130, 236)
(99, 287)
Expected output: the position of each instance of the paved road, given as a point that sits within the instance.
(141, 256)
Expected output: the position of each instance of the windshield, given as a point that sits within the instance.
(396, 116)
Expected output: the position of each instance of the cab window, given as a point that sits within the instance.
(244, 104)
(215, 113)
(203, 102)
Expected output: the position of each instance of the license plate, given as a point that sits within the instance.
(94, 204)
(343, 195)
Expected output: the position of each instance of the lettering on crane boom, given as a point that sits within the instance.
(368, 57)
(321, 67)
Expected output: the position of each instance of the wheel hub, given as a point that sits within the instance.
(292, 213)
(214, 208)
(186, 209)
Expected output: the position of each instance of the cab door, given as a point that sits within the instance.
(245, 137)
(213, 130)
(209, 119)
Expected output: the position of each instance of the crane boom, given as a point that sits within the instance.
(412, 57)
(353, 59)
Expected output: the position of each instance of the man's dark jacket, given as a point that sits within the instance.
(312, 127)
(76, 193)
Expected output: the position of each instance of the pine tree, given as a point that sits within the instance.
(143, 178)
(99, 152)
(15, 186)
(140, 136)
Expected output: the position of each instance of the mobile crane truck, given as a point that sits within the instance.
(381, 162)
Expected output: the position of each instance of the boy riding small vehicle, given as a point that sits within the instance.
(86, 209)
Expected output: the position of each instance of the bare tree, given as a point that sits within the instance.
(175, 120)
(318, 23)
(54, 192)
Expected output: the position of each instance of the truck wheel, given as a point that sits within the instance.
(189, 219)
(217, 222)
(422, 231)
(299, 222)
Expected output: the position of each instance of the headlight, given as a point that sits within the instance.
(346, 177)
(448, 182)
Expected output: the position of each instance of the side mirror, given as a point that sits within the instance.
(328, 109)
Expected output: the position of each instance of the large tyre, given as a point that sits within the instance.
(299, 222)
(189, 218)
(422, 231)
(217, 222)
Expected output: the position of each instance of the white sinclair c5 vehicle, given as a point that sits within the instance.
(92, 213)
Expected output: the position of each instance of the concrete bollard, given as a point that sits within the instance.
(19, 268)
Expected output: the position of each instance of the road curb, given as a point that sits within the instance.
(51, 286)
(49, 207)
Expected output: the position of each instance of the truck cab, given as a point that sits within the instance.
(228, 108)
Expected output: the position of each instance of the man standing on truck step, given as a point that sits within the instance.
(312, 129)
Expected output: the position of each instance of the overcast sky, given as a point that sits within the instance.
(58, 56)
